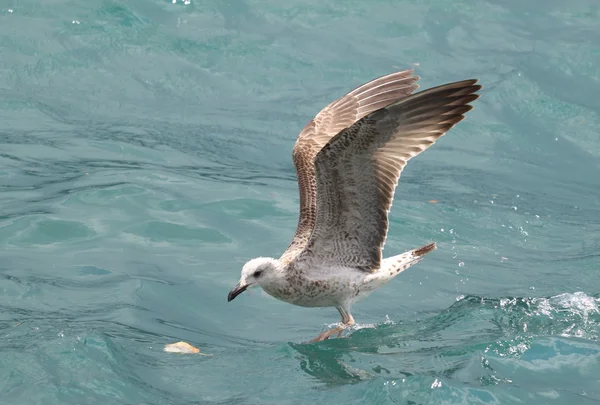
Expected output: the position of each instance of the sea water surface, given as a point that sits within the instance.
(145, 155)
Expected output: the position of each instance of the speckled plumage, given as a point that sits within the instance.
(348, 162)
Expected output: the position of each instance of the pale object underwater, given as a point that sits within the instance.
(183, 347)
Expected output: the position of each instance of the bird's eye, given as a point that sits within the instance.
(257, 273)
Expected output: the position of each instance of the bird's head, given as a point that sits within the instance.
(259, 271)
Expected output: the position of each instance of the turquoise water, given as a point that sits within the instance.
(145, 155)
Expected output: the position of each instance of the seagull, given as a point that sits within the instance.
(348, 162)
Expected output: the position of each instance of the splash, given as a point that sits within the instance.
(477, 340)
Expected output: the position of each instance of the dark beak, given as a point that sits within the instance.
(237, 290)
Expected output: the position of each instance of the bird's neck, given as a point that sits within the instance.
(277, 279)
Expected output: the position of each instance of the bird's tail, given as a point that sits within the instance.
(423, 250)
(397, 264)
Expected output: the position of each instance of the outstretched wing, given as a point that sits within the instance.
(335, 117)
(358, 170)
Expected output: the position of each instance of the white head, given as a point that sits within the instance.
(259, 271)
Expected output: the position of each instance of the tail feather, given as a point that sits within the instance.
(392, 266)
(423, 250)
(397, 264)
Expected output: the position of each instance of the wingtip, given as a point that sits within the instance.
(472, 84)
(475, 83)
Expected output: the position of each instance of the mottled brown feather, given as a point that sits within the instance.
(357, 171)
(335, 117)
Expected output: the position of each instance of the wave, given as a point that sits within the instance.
(478, 341)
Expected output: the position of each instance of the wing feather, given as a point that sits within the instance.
(335, 117)
(358, 170)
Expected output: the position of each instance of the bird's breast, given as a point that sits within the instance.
(323, 291)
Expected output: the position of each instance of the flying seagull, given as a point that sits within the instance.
(348, 162)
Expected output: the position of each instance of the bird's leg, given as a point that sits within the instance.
(347, 321)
